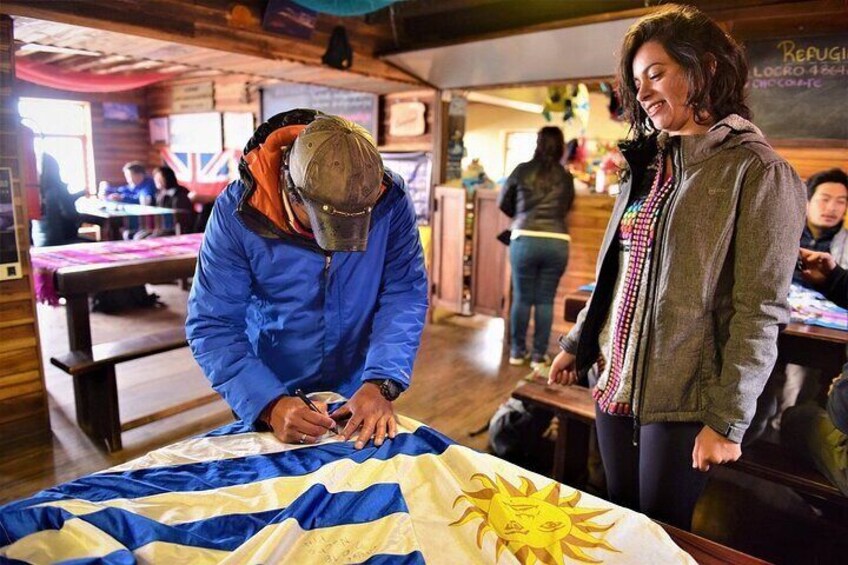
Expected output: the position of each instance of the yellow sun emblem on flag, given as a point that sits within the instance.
(535, 525)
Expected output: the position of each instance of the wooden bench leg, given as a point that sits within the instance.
(96, 398)
(571, 453)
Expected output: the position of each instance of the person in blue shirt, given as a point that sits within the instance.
(310, 276)
(140, 188)
(821, 435)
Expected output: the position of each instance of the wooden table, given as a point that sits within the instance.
(76, 283)
(114, 217)
(707, 552)
(810, 346)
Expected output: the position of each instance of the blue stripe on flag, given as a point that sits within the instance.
(414, 558)
(120, 557)
(315, 508)
(224, 473)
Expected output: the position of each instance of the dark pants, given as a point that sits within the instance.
(537, 265)
(656, 477)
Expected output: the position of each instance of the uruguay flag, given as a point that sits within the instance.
(238, 496)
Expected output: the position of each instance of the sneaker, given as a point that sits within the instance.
(518, 361)
(540, 362)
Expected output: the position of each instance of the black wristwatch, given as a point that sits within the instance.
(388, 388)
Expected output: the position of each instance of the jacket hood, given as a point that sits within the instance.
(732, 131)
(261, 206)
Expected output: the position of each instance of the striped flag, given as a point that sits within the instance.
(238, 496)
(204, 173)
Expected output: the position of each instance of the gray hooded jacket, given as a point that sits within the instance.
(725, 251)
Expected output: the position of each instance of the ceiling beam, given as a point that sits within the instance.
(191, 23)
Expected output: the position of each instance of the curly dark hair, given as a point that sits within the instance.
(714, 64)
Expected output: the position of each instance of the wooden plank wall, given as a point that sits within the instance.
(23, 398)
(114, 143)
(232, 93)
(809, 160)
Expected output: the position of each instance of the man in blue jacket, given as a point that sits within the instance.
(311, 276)
(140, 188)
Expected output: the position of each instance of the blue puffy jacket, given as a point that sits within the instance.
(269, 313)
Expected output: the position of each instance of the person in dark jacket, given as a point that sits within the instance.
(310, 276)
(171, 194)
(819, 435)
(60, 220)
(537, 195)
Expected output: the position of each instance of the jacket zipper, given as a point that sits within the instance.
(676, 163)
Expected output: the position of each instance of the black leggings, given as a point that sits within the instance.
(656, 477)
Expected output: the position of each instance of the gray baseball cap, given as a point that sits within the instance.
(337, 170)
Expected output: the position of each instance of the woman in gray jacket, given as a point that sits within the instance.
(693, 273)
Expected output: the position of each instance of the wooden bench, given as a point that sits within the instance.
(95, 387)
(575, 409)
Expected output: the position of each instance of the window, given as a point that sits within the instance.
(62, 129)
(520, 146)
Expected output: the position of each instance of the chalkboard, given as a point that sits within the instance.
(359, 107)
(799, 86)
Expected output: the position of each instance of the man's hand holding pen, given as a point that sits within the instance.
(293, 421)
(370, 413)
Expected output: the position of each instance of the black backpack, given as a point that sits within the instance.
(518, 434)
(118, 300)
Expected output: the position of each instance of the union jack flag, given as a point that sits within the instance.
(204, 173)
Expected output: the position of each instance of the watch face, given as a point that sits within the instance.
(390, 389)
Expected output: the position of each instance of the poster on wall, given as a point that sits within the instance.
(158, 130)
(120, 112)
(10, 257)
(416, 169)
(359, 107)
(289, 18)
(197, 133)
(238, 129)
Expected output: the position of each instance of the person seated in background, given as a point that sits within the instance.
(827, 204)
(59, 221)
(139, 189)
(824, 232)
(819, 435)
(171, 194)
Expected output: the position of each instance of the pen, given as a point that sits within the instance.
(299, 393)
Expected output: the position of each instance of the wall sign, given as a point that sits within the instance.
(406, 119)
(194, 97)
(10, 257)
(799, 86)
(359, 107)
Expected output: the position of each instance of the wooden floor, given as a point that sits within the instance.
(461, 376)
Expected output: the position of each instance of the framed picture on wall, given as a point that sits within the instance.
(120, 112)
(238, 128)
(158, 130)
(10, 256)
(195, 133)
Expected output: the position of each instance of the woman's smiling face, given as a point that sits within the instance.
(662, 90)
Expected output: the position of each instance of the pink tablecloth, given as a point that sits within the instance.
(47, 260)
